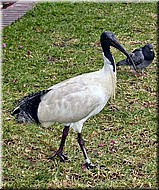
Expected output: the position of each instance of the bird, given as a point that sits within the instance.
(142, 58)
(74, 100)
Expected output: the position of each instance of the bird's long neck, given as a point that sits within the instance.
(108, 64)
(109, 69)
(108, 58)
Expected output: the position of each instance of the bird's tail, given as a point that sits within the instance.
(122, 63)
(26, 110)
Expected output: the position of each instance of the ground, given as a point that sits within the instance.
(56, 41)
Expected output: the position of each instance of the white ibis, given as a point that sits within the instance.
(75, 100)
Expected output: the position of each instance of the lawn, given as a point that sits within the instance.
(56, 41)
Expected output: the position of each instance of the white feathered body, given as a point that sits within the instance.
(73, 101)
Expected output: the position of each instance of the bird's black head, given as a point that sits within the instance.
(108, 39)
(149, 47)
(148, 52)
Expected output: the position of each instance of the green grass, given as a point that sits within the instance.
(63, 39)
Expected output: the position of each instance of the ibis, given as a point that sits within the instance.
(142, 58)
(75, 100)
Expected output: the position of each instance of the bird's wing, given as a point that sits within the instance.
(137, 56)
(122, 62)
(69, 102)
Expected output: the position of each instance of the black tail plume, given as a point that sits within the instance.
(26, 110)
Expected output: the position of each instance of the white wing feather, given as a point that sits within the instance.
(75, 100)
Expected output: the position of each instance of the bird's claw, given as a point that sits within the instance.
(144, 74)
(135, 73)
(88, 166)
(62, 156)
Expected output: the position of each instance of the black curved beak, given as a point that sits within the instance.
(114, 42)
(111, 39)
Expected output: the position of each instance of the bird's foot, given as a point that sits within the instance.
(62, 156)
(88, 166)
(135, 73)
(143, 74)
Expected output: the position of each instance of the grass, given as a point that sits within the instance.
(56, 41)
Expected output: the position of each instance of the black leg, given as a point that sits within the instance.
(59, 152)
(87, 164)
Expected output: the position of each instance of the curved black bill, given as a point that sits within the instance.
(114, 42)
(117, 45)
